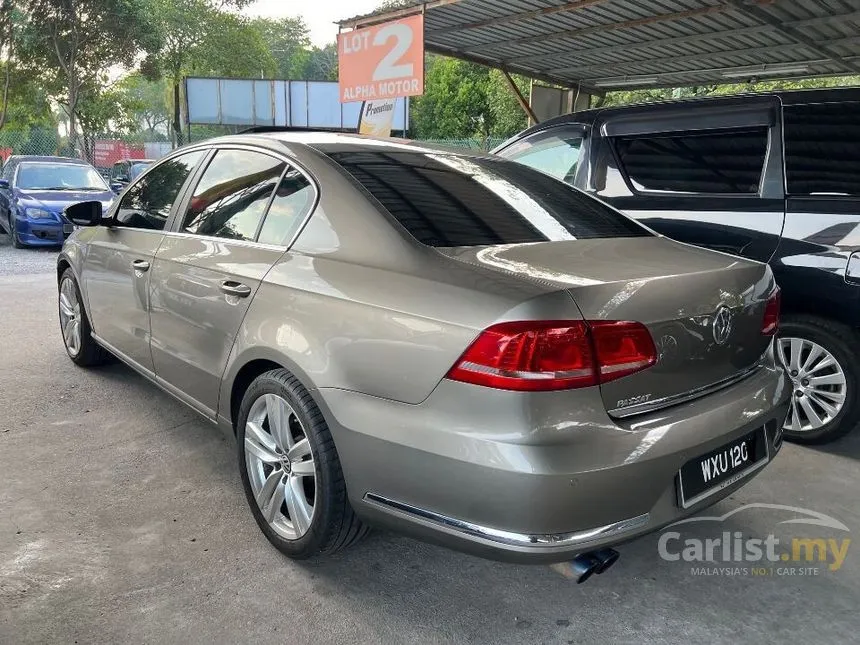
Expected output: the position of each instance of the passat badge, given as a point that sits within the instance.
(722, 325)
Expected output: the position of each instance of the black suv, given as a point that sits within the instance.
(773, 177)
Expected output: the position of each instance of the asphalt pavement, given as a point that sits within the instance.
(122, 519)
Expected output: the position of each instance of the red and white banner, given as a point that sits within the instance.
(106, 152)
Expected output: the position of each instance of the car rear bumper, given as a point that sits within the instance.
(536, 477)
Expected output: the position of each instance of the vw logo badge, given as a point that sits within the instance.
(722, 325)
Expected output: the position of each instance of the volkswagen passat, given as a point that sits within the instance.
(451, 345)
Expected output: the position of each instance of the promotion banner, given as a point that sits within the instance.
(377, 117)
(381, 62)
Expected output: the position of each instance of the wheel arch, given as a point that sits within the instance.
(243, 369)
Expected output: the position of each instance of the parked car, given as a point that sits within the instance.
(125, 171)
(451, 345)
(35, 190)
(769, 177)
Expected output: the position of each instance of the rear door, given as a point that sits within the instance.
(706, 174)
(119, 258)
(210, 265)
(821, 241)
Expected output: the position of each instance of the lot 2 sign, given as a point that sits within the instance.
(384, 61)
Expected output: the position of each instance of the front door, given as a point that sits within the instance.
(119, 258)
(207, 271)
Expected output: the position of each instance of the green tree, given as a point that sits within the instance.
(200, 35)
(288, 42)
(320, 64)
(145, 102)
(71, 44)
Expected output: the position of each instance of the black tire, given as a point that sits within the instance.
(13, 235)
(334, 524)
(90, 353)
(842, 343)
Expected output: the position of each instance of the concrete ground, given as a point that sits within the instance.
(122, 519)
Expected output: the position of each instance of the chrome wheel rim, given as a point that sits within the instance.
(70, 316)
(280, 466)
(818, 381)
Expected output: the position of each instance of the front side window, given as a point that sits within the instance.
(118, 171)
(713, 162)
(59, 176)
(232, 195)
(445, 199)
(555, 152)
(822, 149)
(147, 202)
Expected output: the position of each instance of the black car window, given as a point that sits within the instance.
(292, 201)
(822, 149)
(555, 152)
(232, 195)
(446, 199)
(147, 202)
(714, 162)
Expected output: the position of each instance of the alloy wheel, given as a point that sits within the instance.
(818, 381)
(70, 316)
(280, 465)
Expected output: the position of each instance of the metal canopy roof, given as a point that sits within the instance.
(620, 44)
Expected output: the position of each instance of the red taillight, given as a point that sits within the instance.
(622, 348)
(770, 322)
(554, 354)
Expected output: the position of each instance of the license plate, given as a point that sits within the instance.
(710, 473)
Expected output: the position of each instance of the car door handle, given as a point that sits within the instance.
(140, 265)
(232, 288)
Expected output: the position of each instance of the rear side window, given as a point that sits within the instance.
(293, 199)
(232, 195)
(555, 152)
(822, 149)
(446, 200)
(717, 162)
(147, 203)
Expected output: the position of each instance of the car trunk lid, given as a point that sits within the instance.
(704, 310)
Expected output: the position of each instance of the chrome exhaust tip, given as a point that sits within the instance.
(605, 558)
(583, 566)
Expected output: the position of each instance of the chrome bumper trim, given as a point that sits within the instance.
(684, 397)
(508, 538)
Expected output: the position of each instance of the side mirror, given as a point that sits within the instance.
(4, 184)
(84, 213)
(117, 186)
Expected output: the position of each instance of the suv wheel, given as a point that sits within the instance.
(291, 471)
(818, 356)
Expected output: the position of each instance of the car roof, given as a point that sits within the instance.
(328, 142)
(47, 159)
(786, 97)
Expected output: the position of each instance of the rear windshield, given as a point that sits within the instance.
(445, 199)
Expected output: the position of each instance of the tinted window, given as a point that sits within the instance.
(715, 162)
(293, 199)
(822, 149)
(233, 194)
(446, 199)
(147, 202)
(59, 176)
(138, 168)
(556, 153)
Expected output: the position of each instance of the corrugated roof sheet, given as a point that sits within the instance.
(615, 44)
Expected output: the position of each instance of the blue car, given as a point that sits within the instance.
(35, 190)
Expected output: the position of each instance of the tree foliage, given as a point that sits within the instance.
(72, 44)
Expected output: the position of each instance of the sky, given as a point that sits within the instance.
(319, 15)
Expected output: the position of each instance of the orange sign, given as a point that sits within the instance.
(381, 62)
